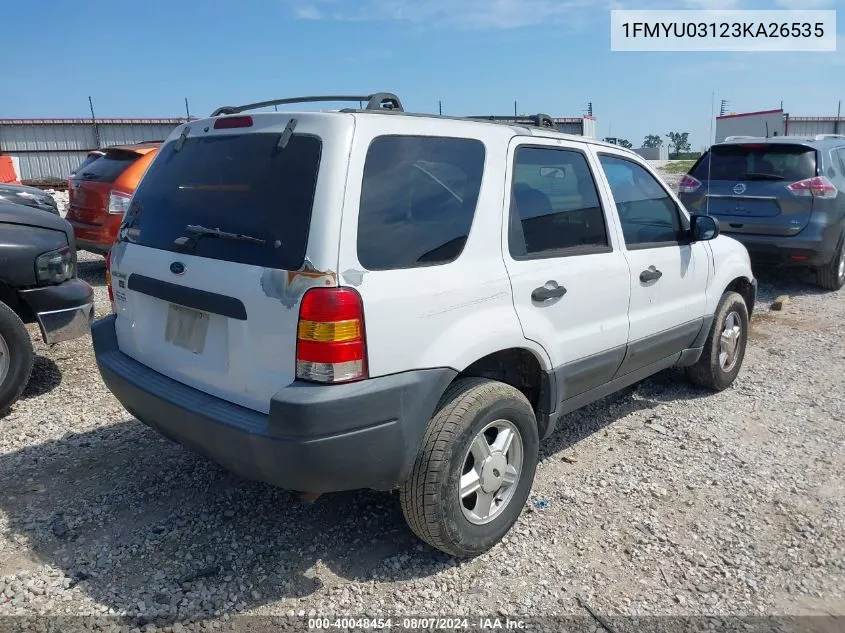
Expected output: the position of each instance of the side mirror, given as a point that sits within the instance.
(703, 228)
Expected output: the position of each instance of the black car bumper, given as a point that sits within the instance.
(316, 438)
(63, 312)
(786, 251)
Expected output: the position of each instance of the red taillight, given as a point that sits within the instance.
(228, 122)
(108, 279)
(818, 187)
(689, 184)
(331, 345)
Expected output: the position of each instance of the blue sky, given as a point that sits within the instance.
(476, 56)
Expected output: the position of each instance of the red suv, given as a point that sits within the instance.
(100, 190)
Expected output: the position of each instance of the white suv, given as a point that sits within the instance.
(367, 298)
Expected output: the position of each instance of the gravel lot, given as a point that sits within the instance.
(660, 500)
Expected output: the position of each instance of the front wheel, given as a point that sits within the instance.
(724, 350)
(475, 468)
(16, 357)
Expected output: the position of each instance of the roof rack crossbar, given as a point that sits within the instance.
(376, 101)
(539, 120)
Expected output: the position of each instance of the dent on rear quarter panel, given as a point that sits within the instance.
(288, 286)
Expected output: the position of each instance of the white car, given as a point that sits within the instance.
(368, 298)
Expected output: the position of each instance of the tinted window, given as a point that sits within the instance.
(769, 161)
(647, 214)
(240, 184)
(106, 168)
(554, 203)
(88, 160)
(418, 200)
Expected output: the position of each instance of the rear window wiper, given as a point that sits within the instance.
(761, 176)
(197, 232)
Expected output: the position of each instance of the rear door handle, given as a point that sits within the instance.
(551, 290)
(650, 274)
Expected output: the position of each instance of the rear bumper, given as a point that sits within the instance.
(800, 250)
(93, 247)
(63, 312)
(316, 438)
(96, 238)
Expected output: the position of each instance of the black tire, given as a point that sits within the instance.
(832, 276)
(430, 497)
(708, 372)
(19, 347)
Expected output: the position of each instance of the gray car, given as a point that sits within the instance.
(782, 197)
(28, 197)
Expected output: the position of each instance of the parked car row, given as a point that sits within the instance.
(366, 298)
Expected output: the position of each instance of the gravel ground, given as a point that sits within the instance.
(662, 499)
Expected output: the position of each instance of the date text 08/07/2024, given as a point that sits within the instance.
(414, 623)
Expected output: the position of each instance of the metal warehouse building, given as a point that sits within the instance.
(48, 150)
(776, 123)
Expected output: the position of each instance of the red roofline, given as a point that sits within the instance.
(88, 121)
(742, 114)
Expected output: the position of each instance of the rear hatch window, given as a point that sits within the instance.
(747, 162)
(106, 168)
(240, 184)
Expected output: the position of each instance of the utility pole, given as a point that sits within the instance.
(187, 109)
(723, 109)
(514, 110)
(838, 118)
(94, 122)
(440, 107)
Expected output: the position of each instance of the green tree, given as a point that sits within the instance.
(679, 142)
(653, 140)
(623, 142)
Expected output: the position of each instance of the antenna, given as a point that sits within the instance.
(767, 129)
(710, 151)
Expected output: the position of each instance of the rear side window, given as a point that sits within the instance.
(418, 199)
(106, 168)
(240, 184)
(554, 205)
(769, 161)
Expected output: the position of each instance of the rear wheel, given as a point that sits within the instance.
(15, 357)
(475, 468)
(832, 276)
(724, 350)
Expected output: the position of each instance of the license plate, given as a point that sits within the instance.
(186, 328)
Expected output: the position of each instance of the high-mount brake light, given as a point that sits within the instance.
(229, 122)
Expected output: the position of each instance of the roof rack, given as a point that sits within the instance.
(376, 101)
(540, 120)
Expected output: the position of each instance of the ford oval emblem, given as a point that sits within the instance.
(177, 268)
